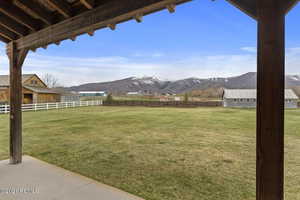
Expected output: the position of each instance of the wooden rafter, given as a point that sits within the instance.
(13, 25)
(62, 7)
(4, 39)
(4, 32)
(247, 6)
(36, 10)
(18, 15)
(100, 17)
(88, 3)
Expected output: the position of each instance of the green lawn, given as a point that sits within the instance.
(158, 153)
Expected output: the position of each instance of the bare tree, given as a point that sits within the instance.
(50, 80)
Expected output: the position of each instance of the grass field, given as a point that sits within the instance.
(158, 153)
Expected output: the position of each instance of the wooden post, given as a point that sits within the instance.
(16, 59)
(270, 99)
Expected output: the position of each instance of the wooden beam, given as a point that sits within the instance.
(110, 13)
(73, 38)
(91, 33)
(138, 18)
(171, 8)
(34, 9)
(4, 39)
(89, 4)
(270, 99)
(21, 57)
(7, 33)
(13, 25)
(112, 26)
(62, 7)
(18, 15)
(16, 59)
(247, 6)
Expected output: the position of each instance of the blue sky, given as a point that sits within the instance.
(201, 39)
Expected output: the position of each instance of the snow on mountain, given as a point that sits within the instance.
(148, 84)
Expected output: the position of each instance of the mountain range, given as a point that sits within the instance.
(154, 85)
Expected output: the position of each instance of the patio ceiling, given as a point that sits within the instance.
(38, 23)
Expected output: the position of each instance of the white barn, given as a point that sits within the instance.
(246, 98)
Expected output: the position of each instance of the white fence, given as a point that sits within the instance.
(50, 106)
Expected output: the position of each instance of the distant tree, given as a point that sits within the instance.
(186, 97)
(109, 98)
(50, 80)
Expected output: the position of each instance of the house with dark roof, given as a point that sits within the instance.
(34, 90)
(246, 98)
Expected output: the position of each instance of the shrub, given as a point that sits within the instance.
(186, 97)
(109, 98)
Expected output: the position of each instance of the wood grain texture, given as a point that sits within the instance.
(270, 99)
(16, 58)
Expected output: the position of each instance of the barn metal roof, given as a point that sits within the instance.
(251, 94)
(41, 90)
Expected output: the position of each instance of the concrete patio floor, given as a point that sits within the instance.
(38, 180)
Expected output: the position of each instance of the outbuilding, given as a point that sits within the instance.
(246, 98)
(92, 94)
(34, 90)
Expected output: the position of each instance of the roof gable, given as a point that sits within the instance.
(35, 77)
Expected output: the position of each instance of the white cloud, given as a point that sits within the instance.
(148, 55)
(249, 49)
(74, 71)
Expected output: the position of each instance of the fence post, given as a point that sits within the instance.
(47, 106)
(74, 104)
(35, 107)
(56, 105)
(5, 108)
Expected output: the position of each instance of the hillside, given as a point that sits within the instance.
(151, 85)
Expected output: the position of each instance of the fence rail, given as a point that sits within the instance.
(50, 106)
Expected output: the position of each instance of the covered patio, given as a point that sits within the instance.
(31, 24)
